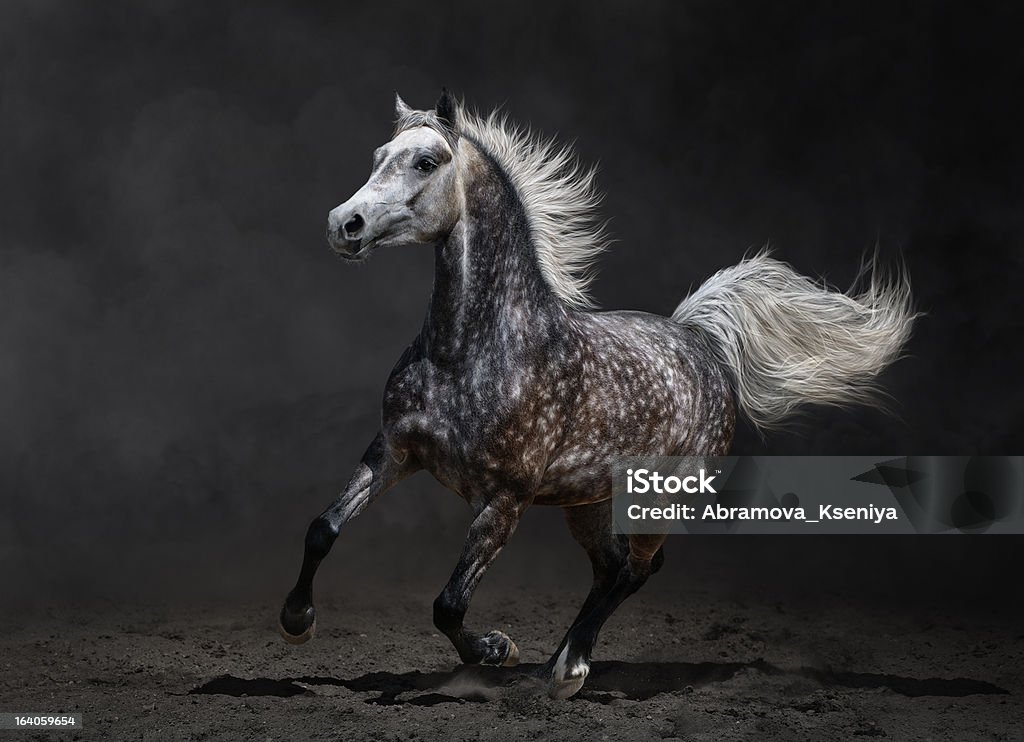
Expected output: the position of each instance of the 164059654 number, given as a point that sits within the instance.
(40, 721)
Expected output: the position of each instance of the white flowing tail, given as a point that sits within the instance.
(788, 341)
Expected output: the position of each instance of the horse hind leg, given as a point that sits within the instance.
(621, 566)
(591, 527)
(572, 664)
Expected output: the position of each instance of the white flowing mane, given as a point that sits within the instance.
(557, 192)
(558, 195)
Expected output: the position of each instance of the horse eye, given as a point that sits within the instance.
(426, 165)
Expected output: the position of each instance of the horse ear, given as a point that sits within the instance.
(447, 110)
(402, 108)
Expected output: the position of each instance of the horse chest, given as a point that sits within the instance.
(470, 427)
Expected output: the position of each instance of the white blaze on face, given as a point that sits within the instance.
(410, 196)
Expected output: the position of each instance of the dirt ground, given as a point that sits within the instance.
(710, 668)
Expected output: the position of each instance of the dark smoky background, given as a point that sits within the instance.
(188, 375)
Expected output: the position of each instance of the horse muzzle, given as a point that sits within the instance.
(346, 234)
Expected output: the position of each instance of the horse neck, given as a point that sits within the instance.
(489, 291)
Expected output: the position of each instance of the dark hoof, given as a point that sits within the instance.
(297, 627)
(499, 649)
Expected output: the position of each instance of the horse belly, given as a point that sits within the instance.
(674, 407)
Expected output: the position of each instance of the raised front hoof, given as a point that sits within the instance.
(499, 650)
(297, 627)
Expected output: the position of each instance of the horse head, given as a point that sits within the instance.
(413, 195)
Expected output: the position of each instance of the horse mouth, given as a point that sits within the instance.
(360, 254)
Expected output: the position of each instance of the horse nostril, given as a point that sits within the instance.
(353, 225)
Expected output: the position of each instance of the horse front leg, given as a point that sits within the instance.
(377, 472)
(490, 531)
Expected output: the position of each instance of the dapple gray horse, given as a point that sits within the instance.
(515, 393)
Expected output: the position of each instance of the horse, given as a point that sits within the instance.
(517, 392)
